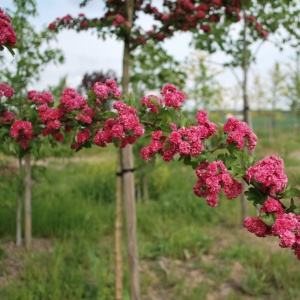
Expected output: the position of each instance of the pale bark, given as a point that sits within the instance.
(128, 177)
(28, 229)
(118, 234)
(246, 110)
(19, 207)
(129, 196)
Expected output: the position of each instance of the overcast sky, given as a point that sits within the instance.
(84, 52)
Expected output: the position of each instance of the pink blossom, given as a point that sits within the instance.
(103, 90)
(239, 133)
(40, 98)
(82, 136)
(6, 116)
(22, 131)
(7, 33)
(256, 226)
(269, 172)
(172, 97)
(211, 178)
(272, 205)
(6, 90)
(71, 100)
(84, 118)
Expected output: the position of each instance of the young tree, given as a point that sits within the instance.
(204, 90)
(278, 90)
(120, 20)
(23, 70)
(294, 89)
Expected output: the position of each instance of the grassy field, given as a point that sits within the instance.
(187, 250)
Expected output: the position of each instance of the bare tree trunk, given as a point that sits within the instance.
(128, 176)
(19, 207)
(28, 230)
(118, 234)
(246, 110)
(129, 195)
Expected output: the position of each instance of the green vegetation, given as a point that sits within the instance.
(188, 251)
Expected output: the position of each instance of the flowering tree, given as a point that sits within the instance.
(120, 20)
(23, 70)
(214, 151)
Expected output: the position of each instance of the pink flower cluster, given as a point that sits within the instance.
(211, 178)
(22, 131)
(6, 116)
(103, 90)
(172, 97)
(51, 117)
(152, 102)
(125, 128)
(6, 91)
(268, 172)
(7, 33)
(119, 20)
(40, 98)
(182, 141)
(71, 100)
(239, 133)
(286, 225)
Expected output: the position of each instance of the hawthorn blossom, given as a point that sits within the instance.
(71, 100)
(212, 177)
(123, 130)
(7, 33)
(256, 226)
(172, 97)
(152, 102)
(22, 131)
(240, 134)
(268, 172)
(6, 91)
(40, 98)
(103, 90)
(6, 116)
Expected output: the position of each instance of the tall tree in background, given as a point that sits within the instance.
(258, 96)
(294, 89)
(278, 90)
(151, 67)
(203, 88)
(31, 57)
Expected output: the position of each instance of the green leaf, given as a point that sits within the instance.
(268, 218)
(256, 196)
(292, 207)
(293, 192)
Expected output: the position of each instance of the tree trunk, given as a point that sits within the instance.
(28, 230)
(246, 110)
(129, 195)
(128, 176)
(118, 234)
(19, 207)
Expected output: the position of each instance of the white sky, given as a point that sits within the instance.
(84, 52)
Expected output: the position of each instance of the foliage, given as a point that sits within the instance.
(89, 80)
(205, 91)
(152, 67)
